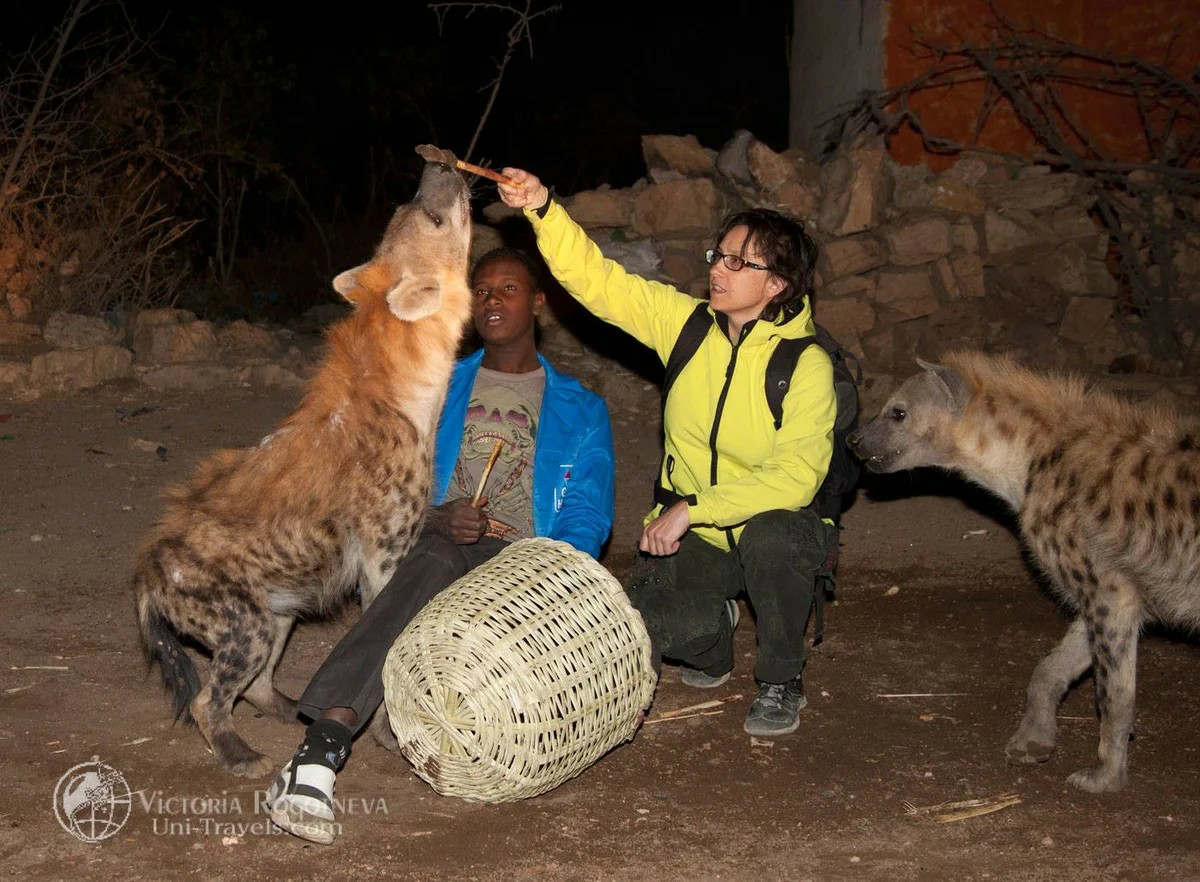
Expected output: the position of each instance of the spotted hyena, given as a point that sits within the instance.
(1108, 494)
(332, 499)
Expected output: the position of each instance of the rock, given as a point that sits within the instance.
(968, 273)
(188, 377)
(952, 194)
(733, 161)
(965, 236)
(1010, 232)
(683, 266)
(917, 240)
(1073, 224)
(175, 343)
(271, 376)
(782, 181)
(909, 291)
(20, 307)
(19, 333)
(891, 349)
(680, 208)
(1032, 192)
(849, 255)
(66, 330)
(601, 208)
(14, 377)
(498, 212)
(969, 169)
(912, 186)
(864, 285)
(1085, 318)
(958, 325)
(679, 153)
(856, 184)
(241, 340)
(73, 369)
(483, 239)
(642, 257)
(845, 317)
(154, 318)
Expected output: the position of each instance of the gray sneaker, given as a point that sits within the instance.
(776, 711)
(697, 679)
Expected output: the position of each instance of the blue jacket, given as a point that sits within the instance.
(573, 463)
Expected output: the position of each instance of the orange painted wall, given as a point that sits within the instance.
(1165, 32)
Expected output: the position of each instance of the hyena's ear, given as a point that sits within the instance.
(347, 284)
(950, 382)
(415, 297)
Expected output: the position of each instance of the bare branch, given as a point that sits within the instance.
(518, 33)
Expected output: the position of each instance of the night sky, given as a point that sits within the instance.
(602, 74)
(329, 104)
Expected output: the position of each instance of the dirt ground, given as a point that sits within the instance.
(934, 599)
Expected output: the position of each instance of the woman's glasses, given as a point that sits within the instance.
(732, 262)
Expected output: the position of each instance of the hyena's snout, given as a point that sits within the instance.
(876, 446)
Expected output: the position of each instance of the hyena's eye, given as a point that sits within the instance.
(898, 414)
(433, 216)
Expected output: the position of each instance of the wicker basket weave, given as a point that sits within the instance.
(519, 675)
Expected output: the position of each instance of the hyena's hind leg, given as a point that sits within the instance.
(262, 692)
(1035, 738)
(1114, 623)
(241, 643)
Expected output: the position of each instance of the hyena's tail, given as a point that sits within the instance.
(162, 645)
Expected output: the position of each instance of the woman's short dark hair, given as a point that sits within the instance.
(515, 254)
(786, 248)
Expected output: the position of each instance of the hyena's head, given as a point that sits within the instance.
(914, 428)
(424, 252)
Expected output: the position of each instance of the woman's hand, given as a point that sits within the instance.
(463, 522)
(527, 191)
(661, 536)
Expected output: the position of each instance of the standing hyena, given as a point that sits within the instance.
(333, 499)
(1108, 494)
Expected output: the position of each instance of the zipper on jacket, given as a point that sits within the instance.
(712, 438)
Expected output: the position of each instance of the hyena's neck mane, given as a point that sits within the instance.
(1013, 416)
(378, 367)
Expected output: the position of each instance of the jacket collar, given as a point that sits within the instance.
(758, 331)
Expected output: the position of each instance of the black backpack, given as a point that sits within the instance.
(844, 469)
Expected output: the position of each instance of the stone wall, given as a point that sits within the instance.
(988, 254)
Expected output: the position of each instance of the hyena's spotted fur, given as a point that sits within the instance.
(1108, 494)
(333, 499)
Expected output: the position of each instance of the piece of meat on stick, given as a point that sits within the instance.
(430, 153)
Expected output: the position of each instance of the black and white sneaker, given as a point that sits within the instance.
(301, 802)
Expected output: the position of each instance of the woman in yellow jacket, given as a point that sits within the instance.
(734, 499)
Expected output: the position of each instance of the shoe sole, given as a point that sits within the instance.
(687, 675)
(769, 733)
(303, 825)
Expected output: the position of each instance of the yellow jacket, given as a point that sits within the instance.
(728, 454)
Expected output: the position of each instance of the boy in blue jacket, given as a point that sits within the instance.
(553, 477)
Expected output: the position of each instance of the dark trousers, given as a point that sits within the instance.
(682, 597)
(352, 674)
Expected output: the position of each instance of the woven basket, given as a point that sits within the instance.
(519, 675)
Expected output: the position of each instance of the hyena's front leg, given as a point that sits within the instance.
(1114, 623)
(1035, 738)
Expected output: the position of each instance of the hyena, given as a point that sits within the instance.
(1108, 496)
(332, 499)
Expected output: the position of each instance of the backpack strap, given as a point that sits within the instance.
(691, 335)
(780, 368)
